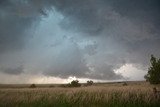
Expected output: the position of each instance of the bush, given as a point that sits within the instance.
(153, 75)
(32, 86)
(89, 83)
(74, 83)
(124, 84)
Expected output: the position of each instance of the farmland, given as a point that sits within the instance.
(134, 94)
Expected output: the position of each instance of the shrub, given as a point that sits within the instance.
(74, 83)
(89, 83)
(124, 84)
(32, 86)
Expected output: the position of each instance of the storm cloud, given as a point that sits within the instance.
(81, 38)
(15, 71)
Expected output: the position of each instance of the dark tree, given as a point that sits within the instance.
(90, 82)
(32, 86)
(75, 83)
(153, 75)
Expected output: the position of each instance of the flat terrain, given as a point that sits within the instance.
(134, 94)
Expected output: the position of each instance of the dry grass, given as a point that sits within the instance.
(115, 94)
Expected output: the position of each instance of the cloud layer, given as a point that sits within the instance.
(82, 38)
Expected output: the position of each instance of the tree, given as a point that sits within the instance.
(32, 86)
(75, 83)
(153, 75)
(90, 82)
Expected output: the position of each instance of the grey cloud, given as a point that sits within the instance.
(103, 66)
(93, 16)
(72, 61)
(125, 32)
(69, 62)
(89, 16)
(91, 48)
(16, 19)
(85, 15)
(133, 24)
(13, 71)
(104, 72)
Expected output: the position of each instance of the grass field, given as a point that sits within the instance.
(135, 94)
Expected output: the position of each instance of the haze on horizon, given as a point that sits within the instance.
(55, 41)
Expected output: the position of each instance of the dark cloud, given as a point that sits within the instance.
(89, 16)
(71, 61)
(94, 16)
(16, 19)
(122, 31)
(69, 64)
(13, 71)
(133, 24)
(91, 48)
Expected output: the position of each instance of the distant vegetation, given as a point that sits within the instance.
(74, 83)
(124, 84)
(153, 75)
(89, 83)
(32, 86)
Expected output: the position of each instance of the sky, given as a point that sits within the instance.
(57, 41)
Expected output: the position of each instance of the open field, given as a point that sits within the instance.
(135, 94)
